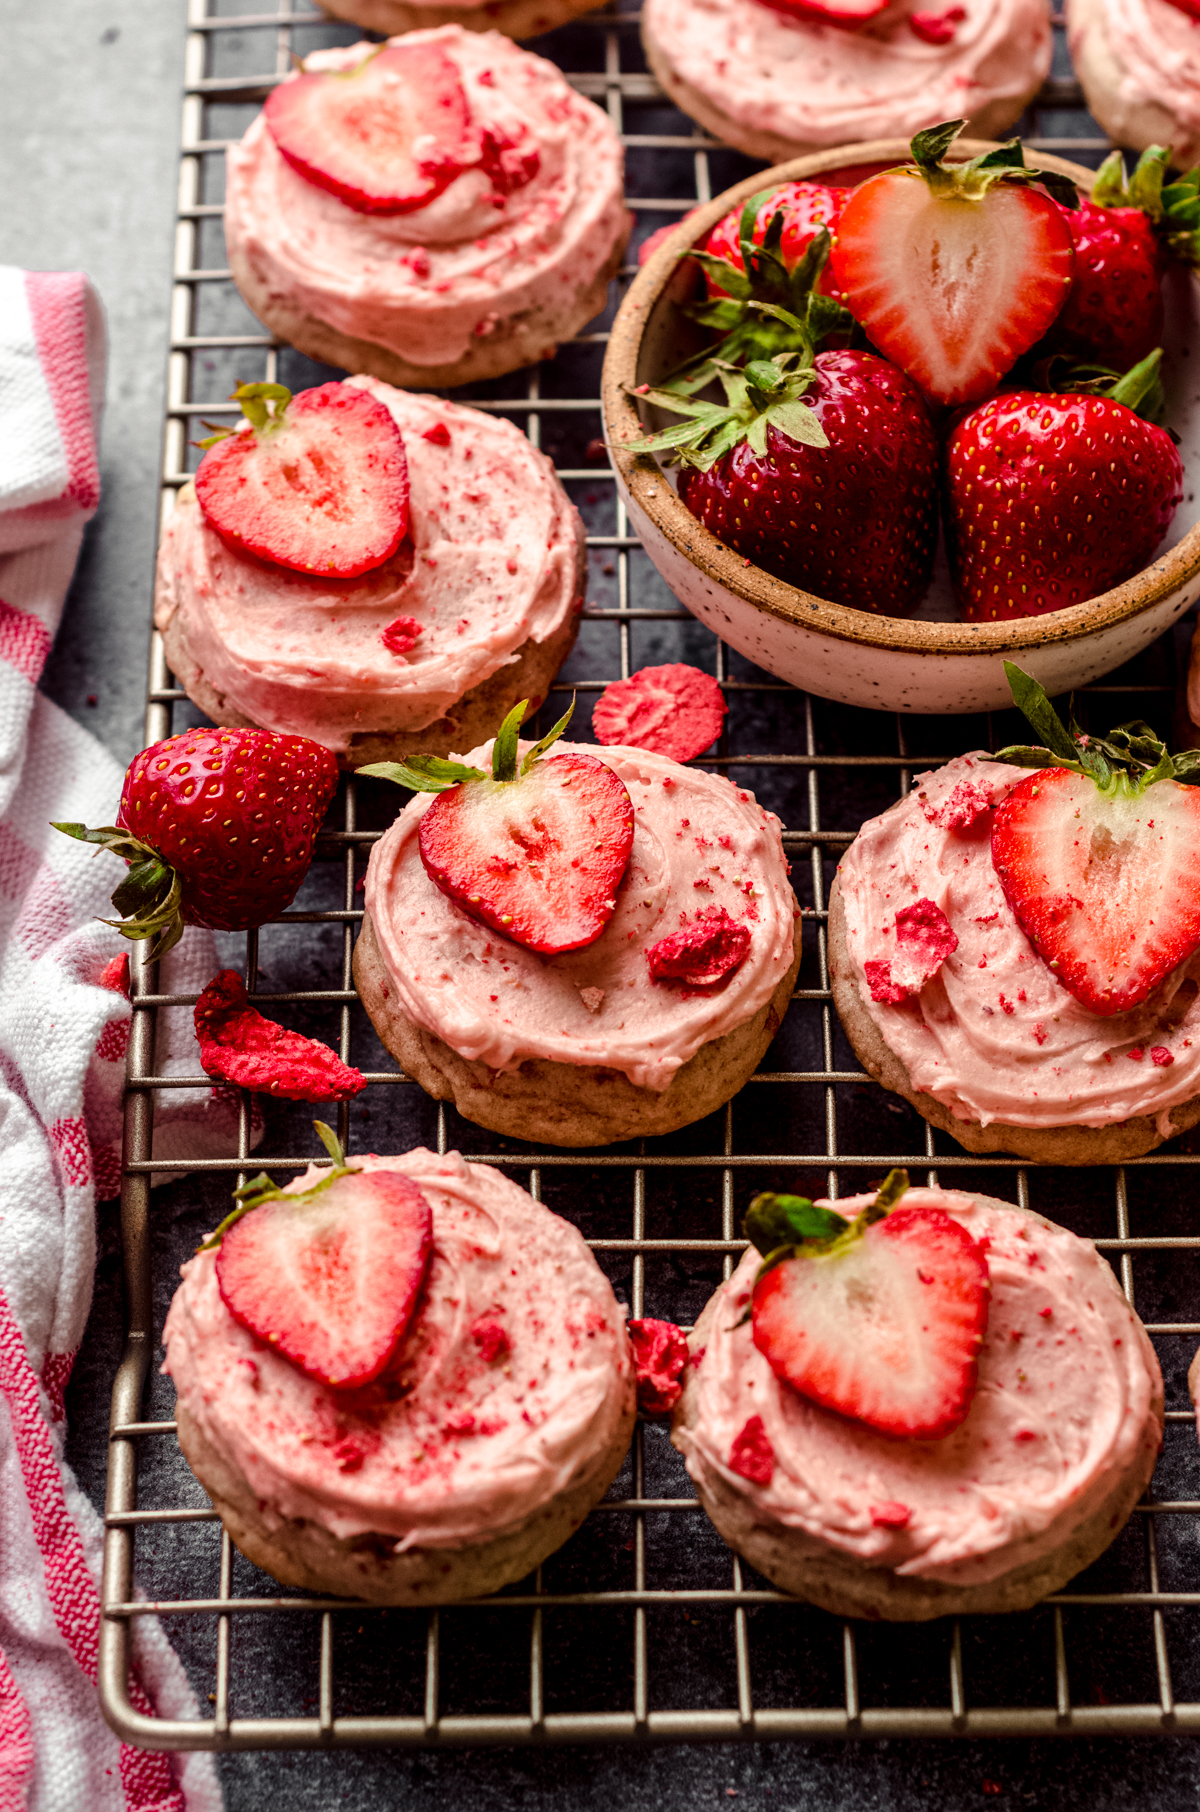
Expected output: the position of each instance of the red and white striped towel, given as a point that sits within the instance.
(63, 1030)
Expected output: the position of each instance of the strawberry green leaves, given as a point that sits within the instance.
(971, 181)
(261, 1189)
(779, 1226)
(767, 393)
(1129, 759)
(1173, 208)
(264, 407)
(433, 774)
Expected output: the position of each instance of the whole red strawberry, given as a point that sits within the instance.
(1052, 499)
(1113, 313)
(806, 208)
(217, 827)
(853, 520)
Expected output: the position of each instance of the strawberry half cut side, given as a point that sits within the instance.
(316, 483)
(328, 1276)
(1097, 854)
(880, 1318)
(385, 137)
(538, 851)
(955, 270)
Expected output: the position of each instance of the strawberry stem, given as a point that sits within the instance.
(1128, 760)
(971, 181)
(261, 1189)
(149, 899)
(264, 407)
(780, 1226)
(433, 774)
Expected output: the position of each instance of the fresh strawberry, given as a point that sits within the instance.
(652, 241)
(955, 270)
(937, 28)
(849, 14)
(1190, 7)
(1096, 853)
(317, 483)
(880, 1318)
(806, 208)
(328, 1276)
(386, 136)
(1052, 499)
(536, 852)
(217, 827)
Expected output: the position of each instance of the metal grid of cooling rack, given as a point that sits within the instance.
(640, 1604)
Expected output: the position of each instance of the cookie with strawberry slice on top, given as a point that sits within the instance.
(1138, 63)
(435, 210)
(576, 943)
(378, 570)
(918, 1403)
(399, 1378)
(1015, 947)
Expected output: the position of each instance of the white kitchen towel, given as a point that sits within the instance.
(63, 1025)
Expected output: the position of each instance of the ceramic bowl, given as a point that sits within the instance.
(929, 662)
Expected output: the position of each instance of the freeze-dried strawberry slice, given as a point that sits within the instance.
(673, 710)
(703, 953)
(660, 1354)
(924, 939)
(386, 136)
(328, 1276)
(401, 636)
(239, 1046)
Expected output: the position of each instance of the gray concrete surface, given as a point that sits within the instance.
(88, 129)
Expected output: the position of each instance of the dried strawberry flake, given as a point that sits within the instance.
(752, 1455)
(491, 1339)
(673, 710)
(401, 636)
(115, 975)
(239, 1046)
(1159, 1054)
(937, 28)
(924, 939)
(439, 434)
(891, 1515)
(969, 801)
(702, 954)
(660, 1354)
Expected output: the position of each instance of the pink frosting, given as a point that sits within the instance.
(1158, 49)
(509, 1385)
(1066, 1379)
(698, 842)
(492, 560)
(428, 283)
(994, 1034)
(822, 85)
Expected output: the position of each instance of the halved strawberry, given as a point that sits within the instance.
(1098, 856)
(537, 854)
(386, 136)
(329, 1276)
(317, 483)
(955, 270)
(880, 1318)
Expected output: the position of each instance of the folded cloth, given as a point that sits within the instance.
(62, 1035)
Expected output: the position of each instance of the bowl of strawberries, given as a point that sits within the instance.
(887, 416)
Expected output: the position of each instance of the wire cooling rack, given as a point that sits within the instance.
(645, 1627)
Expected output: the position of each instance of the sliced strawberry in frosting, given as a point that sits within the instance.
(385, 137)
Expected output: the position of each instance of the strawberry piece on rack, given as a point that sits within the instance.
(385, 137)
(674, 710)
(659, 1353)
(880, 1318)
(239, 1046)
(536, 851)
(316, 483)
(328, 1276)
(703, 953)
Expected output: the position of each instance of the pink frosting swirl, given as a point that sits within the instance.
(492, 560)
(1157, 48)
(430, 282)
(512, 1379)
(1067, 1376)
(821, 85)
(995, 1035)
(699, 842)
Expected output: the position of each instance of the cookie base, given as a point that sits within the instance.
(849, 1587)
(566, 1103)
(1114, 1144)
(515, 18)
(302, 1553)
(1135, 120)
(519, 340)
(991, 121)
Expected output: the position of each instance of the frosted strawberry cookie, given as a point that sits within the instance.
(400, 1378)
(515, 18)
(1018, 953)
(918, 1403)
(388, 570)
(1139, 64)
(435, 210)
(592, 946)
(778, 80)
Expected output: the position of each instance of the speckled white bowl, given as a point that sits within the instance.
(930, 662)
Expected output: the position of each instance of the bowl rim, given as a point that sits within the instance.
(648, 488)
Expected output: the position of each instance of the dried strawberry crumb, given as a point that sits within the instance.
(891, 1515)
(967, 802)
(401, 635)
(937, 28)
(883, 988)
(704, 953)
(439, 434)
(491, 1339)
(752, 1455)
(659, 1353)
(1007, 1005)
(115, 975)
(1136, 1055)
(1159, 1054)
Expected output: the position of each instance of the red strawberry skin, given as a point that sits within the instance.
(235, 813)
(806, 208)
(1053, 499)
(887, 1331)
(855, 522)
(1113, 314)
(326, 493)
(952, 290)
(538, 859)
(1106, 887)
(331, 1283)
